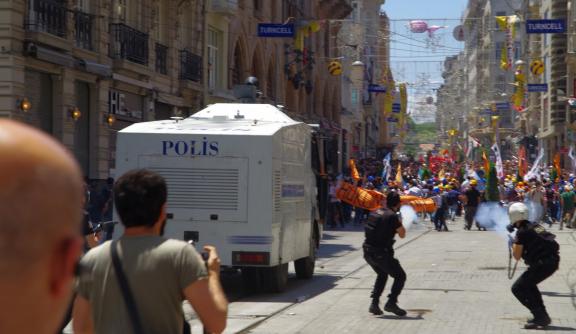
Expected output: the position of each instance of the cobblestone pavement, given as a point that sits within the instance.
(457, 283)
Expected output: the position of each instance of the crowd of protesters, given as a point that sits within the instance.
(458, 191)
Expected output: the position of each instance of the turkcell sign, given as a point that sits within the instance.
(537, 88)
(275, 30)
(396, 107)
(503, 106)
(545, 26)
(372, 88)
(181, 148)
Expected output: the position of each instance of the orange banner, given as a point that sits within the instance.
(373, 200)
(353, 170)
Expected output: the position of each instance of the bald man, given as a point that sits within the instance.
(40, 212)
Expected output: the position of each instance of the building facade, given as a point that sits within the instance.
(83, 70)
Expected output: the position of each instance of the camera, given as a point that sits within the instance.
(511, 228)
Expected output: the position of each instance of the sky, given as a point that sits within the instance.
(415, 57)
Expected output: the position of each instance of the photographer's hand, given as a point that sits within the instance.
(213, 261)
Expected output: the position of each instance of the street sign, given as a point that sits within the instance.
(275, 30)
(396, 107)
(546, 26)
(373, 88)
(537, 88)
(503, 106)
(392, 119)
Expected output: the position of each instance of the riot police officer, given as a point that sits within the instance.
(380, 230)
(541, 253)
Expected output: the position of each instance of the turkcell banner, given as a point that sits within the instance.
(537, 88)
(546, 26)
(503, 106)
(372, 88)
(275, 30)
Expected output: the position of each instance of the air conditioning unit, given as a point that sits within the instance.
(224, 7)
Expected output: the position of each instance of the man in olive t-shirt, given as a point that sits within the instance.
(161, 273)
(567, 203)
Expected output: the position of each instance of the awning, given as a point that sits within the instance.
(102, 70)
(171, 100)
(51, 56)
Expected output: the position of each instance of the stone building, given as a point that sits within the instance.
(82, 70)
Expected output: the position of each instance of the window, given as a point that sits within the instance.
(517, 50)
(214, 54)
(237, 69)
(499, 46)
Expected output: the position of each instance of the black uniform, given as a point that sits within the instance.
(378, 252)
(541, 254)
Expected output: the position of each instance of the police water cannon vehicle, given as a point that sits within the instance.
(242, 177)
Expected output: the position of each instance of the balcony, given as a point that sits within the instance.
(83, 24)
(128, 43)
(224, 7)
(190, 66)
(47, 16)
(161, 59)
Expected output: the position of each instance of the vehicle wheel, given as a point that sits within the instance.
(304, 267)
(252, 278)
(275, 278)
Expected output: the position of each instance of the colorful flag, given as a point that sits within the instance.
(486, 162)
(572, 158)
(353, 171)
(557, 166)
(399, 179)
(499, 166)
(386, 167)
(522, 163)
(533, 173)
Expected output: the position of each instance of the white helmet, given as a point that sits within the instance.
(517, 212)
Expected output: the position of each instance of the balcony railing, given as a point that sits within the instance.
(190, 66)
(83, 23)
(47, 16)
(161, 58)
(128, 43)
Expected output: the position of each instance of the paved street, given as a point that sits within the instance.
(457, 283)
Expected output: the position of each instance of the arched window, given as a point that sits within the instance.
(270, 83)
(237, 69)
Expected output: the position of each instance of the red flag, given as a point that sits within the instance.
(522, 163)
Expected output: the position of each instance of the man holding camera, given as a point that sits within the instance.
(380, 230)
(137, 283)
(541, 253)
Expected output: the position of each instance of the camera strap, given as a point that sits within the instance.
(125, 289)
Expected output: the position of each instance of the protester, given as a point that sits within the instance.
(158, 273)
(41, 196)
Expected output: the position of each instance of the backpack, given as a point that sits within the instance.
(549, 244)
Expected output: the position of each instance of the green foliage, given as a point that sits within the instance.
(492, 194)
(425, 133)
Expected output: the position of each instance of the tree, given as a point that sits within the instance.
(492, 193)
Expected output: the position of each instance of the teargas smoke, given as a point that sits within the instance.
(535, 211)
(493, 216)
(409, 216)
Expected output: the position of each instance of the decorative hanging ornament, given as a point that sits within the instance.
(537, 67)
(418, 26)
(335, 68)
(314, 26)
